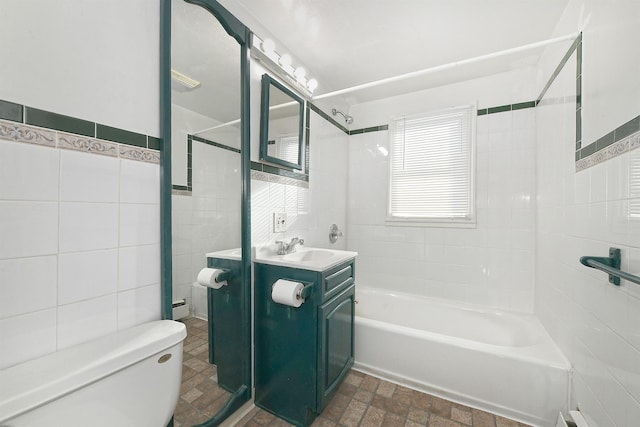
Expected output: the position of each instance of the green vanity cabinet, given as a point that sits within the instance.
(226, 336)
(302, 354)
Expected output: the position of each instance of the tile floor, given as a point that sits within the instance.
(361, 401)
(200, 396)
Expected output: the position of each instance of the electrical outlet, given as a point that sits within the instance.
(279, 222)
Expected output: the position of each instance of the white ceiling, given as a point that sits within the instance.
(343, 43)
(349, 42)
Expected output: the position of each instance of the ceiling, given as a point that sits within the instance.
(343, 43)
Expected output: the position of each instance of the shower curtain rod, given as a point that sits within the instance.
(447, 66)
(233, 122)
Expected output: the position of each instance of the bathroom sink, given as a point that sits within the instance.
(315, 259)
(235, 254)
(309, 255)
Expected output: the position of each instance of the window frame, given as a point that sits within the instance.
(469, 221)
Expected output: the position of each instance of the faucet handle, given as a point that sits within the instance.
(334, 233)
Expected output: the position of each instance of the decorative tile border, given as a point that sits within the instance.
(29, 134)
(278, 179)
(47, 120)
(180, 191)
(90, 145)
(613, 150)
(18, 132)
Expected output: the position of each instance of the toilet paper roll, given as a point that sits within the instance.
(287, 292)
(209, 278)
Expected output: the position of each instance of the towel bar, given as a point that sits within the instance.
(610, 265)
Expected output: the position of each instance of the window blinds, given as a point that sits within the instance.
(431, 166)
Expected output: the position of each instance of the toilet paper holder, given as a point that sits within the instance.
(224, 276)
(304, 293)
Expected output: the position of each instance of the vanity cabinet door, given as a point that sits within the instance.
(335, 343)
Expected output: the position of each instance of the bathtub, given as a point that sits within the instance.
(501, 362)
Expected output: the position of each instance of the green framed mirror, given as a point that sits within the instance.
(205, 197)
(281, 125)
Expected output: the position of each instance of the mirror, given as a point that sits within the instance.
(207, 83)
(281, 125)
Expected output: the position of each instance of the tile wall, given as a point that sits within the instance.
(206, 218)
(491, 264)
(79, 240)
(584, 212)
(310, 211)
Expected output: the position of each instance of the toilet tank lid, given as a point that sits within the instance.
(36, 382)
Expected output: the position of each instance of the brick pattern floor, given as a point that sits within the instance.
(200, 395)
(361, 400)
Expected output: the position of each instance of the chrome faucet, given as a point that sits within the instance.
(287, 248)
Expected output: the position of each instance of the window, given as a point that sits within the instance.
(432, 167)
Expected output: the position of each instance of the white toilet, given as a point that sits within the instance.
(128, 379)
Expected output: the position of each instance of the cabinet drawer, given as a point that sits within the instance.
(337, 280)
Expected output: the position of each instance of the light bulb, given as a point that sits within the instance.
(268, 46)
(285, 60)
(299, 74)
(312, 84)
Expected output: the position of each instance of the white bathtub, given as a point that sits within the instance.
(500, 362)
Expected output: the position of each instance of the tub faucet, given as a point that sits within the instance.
(287, 248)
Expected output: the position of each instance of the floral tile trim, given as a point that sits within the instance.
(17, 132)
(29, 134)
(624, 145)
(277, 179)
(85, 143)
(140, 154)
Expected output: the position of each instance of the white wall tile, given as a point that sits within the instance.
(28, 172)
(139, 182)
(28, 229)
(86, 177)
(27, 337)
(88, 226)
(139, 224)
(140, 266)
(138, 306)
(27, 285)
(86, 275)
(594, 322)
(86, 320)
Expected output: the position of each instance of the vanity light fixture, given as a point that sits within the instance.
(281, 65)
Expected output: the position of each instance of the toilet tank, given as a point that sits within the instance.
(130, 378)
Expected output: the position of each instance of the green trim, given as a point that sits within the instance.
(47, 119)
(166, 269)
(481, 112)
(328, 118)
(242, 34)
(499, 109)
(54, 121)
(618, 134)
(11, 111)
(212, 143)
(273, 170)
(265, 85)
(154, 143)
(120, 136)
